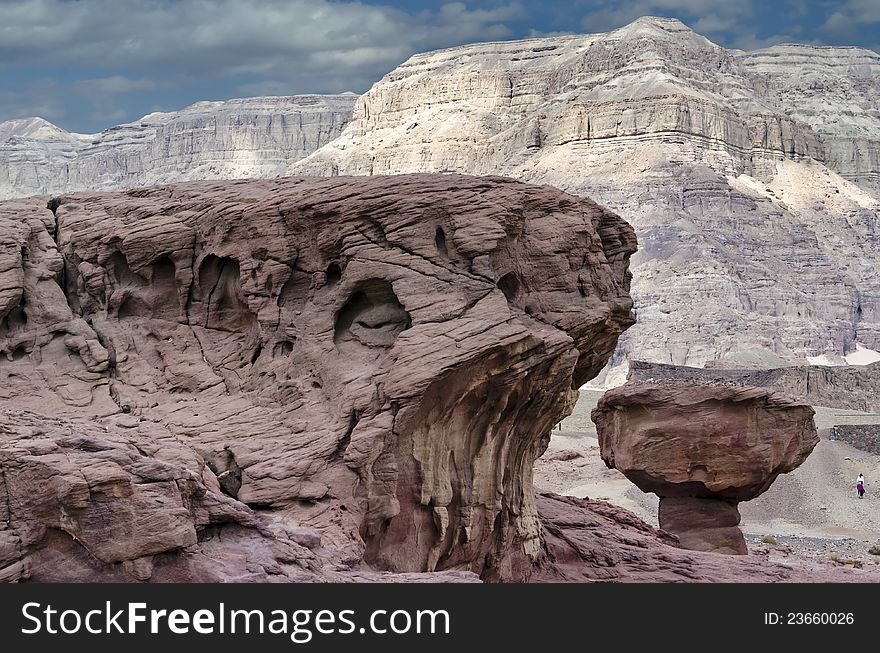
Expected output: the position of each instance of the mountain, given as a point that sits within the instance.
(751, 177)
(254, 137)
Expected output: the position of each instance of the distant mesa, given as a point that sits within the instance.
(252, 137)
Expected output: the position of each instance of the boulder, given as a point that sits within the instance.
(702, 448)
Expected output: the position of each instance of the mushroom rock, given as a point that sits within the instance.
(702, 448)
(377, 361)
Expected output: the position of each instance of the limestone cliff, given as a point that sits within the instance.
(254, 137)
(835, 90)
(853, 387)
(749, 177)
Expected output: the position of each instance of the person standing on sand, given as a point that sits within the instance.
(860, 485)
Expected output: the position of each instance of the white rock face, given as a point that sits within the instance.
(834, 90)
(751, 178)
(255, 137)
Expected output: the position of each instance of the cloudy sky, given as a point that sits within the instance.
(89, 64)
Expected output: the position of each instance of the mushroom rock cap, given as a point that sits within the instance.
(681, 439)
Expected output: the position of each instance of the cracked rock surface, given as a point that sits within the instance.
(294, 379)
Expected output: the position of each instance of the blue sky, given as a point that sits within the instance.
(89, 64)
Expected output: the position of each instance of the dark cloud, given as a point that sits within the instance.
(224, 38)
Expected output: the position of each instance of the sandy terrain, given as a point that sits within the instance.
(814, 509)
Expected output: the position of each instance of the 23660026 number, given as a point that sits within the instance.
(824, 618)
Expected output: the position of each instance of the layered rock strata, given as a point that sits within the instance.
(287, 377)
(865, 437)
(252, 137)
(702, 449)
(313, 381)
(854, 387)
(750, 177)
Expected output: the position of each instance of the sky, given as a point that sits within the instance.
(86, 65)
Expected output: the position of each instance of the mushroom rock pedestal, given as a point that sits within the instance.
(703, 524)
(702, 449)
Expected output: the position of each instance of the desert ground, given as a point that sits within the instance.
(814, 510)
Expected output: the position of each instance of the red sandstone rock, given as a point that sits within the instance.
(375, 362)
(702, 449)
(312, 380)
(588, 541)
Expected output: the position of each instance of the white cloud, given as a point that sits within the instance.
(852, 17)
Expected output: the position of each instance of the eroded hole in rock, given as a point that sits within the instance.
(150, 294)
(15, 320)
(440, 242)
(375, 232)
(225, 306)
(53, 204)
(510, 286)
(283, 348)
(333, 274)
(134, 305)
(122, 273)
(372, 318)
(19, 353)
(163, 290)
(295, 292)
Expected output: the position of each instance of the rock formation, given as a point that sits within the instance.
(593, 541)
(751, 178)
(289, 379)
(313, 380)
(834, 91)
(865, 437)
(702, 449)
(254, 137)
